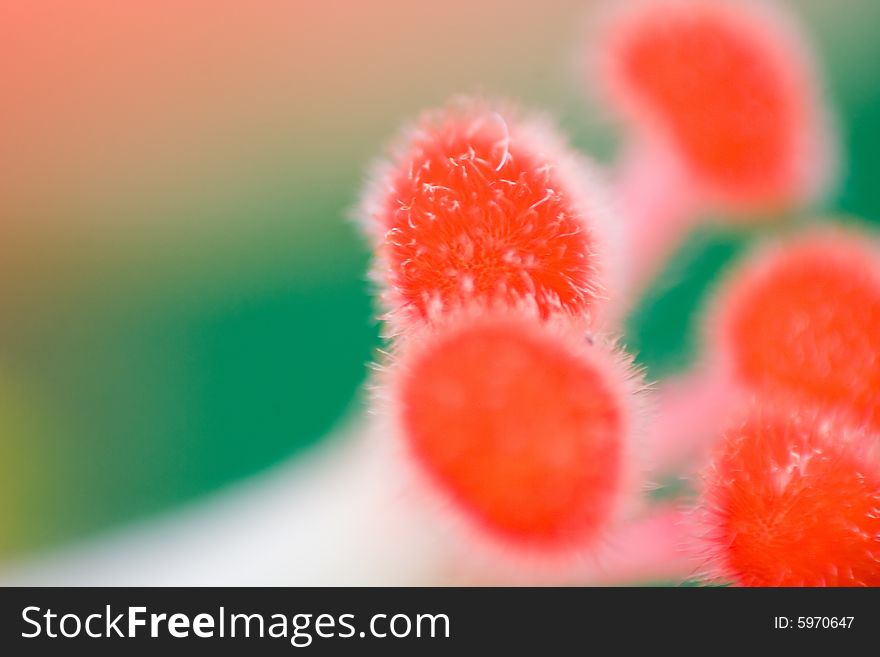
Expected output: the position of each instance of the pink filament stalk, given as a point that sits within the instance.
(650, 549)
(689, 411)
(653, 547)
(657, 208)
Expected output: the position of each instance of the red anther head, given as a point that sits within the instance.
(801, 321)
(479, 205)
(521, 425)
(729, 88)
(793, 500)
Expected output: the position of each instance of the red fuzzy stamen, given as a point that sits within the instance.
(523, 428)
(792, 500)
(728, 88)
(478, 206)
(802, 321)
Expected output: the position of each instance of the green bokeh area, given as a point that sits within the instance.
(181, 373)
(155, 389)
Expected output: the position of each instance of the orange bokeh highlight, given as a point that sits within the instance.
(793, 500)
(801, 322)
(728, 87)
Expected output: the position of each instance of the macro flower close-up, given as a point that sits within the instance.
(559, 295)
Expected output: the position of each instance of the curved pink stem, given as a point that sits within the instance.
(655, 548)
(690, 410)
(658, 207)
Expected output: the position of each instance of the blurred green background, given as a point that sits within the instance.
(183, 301)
